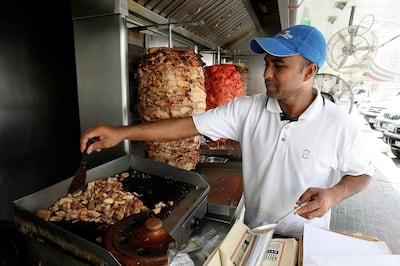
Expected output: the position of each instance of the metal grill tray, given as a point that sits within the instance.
(192, 206)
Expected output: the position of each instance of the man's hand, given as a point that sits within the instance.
(108, 137)
(321, 200)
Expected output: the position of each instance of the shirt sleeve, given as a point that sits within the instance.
(223, 121)
(355, 158)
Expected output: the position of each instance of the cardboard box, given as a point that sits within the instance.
(324, 247)
(281, 252)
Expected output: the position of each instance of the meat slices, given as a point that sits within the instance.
(171, 85)
(223, 83)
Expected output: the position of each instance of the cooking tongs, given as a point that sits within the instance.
(80, 175)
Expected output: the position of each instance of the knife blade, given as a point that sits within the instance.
(79, 180)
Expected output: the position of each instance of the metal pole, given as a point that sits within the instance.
(170, 44)
(219, 55)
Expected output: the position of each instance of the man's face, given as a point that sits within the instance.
(285, 76)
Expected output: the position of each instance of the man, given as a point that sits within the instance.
(297, 147)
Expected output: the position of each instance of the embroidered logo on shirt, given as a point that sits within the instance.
(306, 154)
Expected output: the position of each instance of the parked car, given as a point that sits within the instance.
(392, 137)
(363, 105)
(359, 94)
(377, 104)
(388, 118)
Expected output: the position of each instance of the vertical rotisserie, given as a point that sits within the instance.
(171, 85)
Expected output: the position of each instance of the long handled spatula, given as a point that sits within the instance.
(79, 180)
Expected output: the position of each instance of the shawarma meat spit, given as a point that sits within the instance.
(171, 85)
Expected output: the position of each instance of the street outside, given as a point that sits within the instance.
(388, 155)
(376, 210)
(384, 160)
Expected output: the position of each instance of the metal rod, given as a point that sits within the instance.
(219, 55)
(353, 9)
(170, 44)
(155, 26)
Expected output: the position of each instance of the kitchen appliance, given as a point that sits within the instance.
(180, 222)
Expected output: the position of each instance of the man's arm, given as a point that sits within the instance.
(322, 200)
(162, 130)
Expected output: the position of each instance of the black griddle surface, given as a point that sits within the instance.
(154, 189)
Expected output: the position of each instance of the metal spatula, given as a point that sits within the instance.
(262, 229)
(79, 180)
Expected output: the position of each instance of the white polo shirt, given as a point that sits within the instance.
(281, 159)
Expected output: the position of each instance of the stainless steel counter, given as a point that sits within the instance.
(224, 175)
(225, 202)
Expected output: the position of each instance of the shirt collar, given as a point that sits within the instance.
(316, 106)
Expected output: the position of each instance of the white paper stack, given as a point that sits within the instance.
(324, 247)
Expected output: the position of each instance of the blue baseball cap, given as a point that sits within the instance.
(299, 39)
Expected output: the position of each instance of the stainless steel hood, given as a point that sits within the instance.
(226, 22)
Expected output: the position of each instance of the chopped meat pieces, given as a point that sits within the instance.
(158, 207)
(103, 201)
